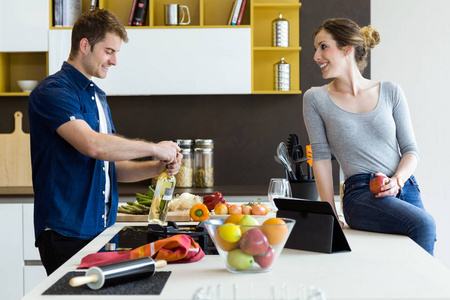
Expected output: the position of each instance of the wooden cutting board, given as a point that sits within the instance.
(175, 216)
(15, 159)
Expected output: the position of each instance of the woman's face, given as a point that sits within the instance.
(331, 59)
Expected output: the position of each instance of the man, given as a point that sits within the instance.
(76, 158)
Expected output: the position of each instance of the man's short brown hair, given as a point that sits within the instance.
(94, 25)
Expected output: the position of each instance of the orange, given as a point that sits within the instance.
(276, 232)
(234, 218)
(222, 244)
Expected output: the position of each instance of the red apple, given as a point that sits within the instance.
(254, 242)
(266, 259)
(377, 183)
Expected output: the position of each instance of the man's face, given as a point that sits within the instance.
(97, 61)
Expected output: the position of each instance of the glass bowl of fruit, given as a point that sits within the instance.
(247, 244)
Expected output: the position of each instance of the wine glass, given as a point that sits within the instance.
(278, 188)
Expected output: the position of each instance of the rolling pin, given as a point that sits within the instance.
(97, 277)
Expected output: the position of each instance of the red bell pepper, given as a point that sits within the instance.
(212, 200)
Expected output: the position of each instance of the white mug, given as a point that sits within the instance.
(175, 14)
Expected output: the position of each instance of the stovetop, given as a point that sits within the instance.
(131, 237)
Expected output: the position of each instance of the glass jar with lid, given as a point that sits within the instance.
(204, 167)
(204, 143)
(185, 143)
(184, 176)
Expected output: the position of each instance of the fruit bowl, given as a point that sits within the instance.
(247, 246)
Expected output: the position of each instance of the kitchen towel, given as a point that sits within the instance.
(179, 248)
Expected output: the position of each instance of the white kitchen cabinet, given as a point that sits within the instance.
(33, 271)
(32, 276)
(30, 252)
(166, 61)
(24, 25)
(11, 251)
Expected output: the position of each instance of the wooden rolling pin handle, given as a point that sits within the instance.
(160, 263)
(80, 280)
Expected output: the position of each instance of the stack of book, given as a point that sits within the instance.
(237, 12)
(66, 12)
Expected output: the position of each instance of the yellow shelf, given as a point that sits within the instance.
(277, 92)
(278, 5)
(296, 49)
(264, 55)
(191, 27)
(16, 66)
(258, 17)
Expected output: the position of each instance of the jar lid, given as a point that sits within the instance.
(206, 150)
(185, 150)
(204, 142)
(183, 142)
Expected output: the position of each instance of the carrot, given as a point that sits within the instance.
(199, 212)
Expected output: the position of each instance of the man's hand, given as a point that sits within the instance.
(173, 167)
(166, 151)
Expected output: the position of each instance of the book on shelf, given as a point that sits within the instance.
(133, 7)
(232, 12)
(93, 4)
(71, 11)
(57, 13)
(140, 12)
(236, 12)
(241, 12)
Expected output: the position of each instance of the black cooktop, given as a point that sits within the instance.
(131, 237)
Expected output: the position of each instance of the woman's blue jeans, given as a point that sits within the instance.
(403, 214)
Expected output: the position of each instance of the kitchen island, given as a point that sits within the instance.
(380, 266)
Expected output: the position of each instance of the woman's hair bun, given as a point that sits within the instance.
(371, 37)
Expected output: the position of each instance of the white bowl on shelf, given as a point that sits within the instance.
(27, 85)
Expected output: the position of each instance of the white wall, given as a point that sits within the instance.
(415, 52)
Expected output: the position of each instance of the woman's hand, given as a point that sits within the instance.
(390, 189)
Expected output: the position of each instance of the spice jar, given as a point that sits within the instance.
(184, 176)
(204, 167)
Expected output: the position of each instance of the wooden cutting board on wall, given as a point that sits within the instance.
(15, 159)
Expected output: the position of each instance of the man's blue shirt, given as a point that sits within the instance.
(68, 186)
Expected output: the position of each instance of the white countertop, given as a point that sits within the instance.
(380, 266)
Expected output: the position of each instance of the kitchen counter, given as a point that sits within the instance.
(380, 266)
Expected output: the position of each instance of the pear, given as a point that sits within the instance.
(247, 220)
(238, 259)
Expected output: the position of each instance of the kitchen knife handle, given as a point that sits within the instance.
(80, 280)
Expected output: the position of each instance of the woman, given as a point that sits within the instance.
(366, 125)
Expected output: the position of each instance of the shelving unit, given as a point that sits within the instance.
(205, 15)
(24, 44)
(21, 66)
(265, 56)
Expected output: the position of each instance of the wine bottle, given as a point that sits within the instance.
(161, 199)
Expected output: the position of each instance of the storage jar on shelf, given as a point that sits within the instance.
(282, 76)
(184, 176)
(204, 167)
